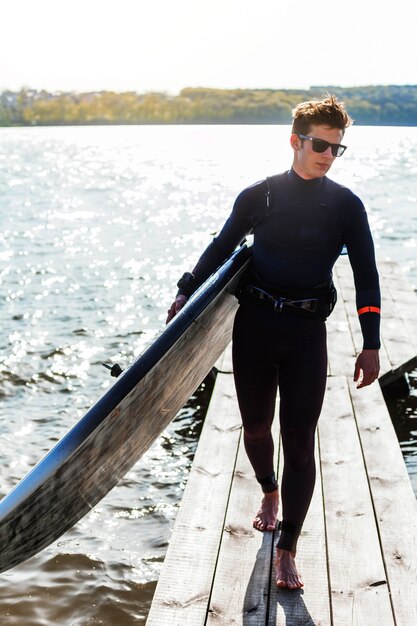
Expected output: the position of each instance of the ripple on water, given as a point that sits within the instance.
(74, 589)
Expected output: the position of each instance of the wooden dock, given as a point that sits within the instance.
(358, 549)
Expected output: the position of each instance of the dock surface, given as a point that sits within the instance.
(358, 549)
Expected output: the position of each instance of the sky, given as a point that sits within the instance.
(166, 45)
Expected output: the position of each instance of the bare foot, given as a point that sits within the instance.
(286, 573)
(266, 518)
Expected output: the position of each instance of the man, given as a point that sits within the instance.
(300, 220)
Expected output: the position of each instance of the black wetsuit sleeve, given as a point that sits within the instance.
(361, 252)
(238, 225)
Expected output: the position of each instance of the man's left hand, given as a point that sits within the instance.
(366, 368)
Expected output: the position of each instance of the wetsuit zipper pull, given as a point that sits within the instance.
(268, 196)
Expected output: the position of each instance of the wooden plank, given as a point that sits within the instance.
(340, 348)
(310, 605)
(393, 500)
(404, 296)
(184, 587)
(359, 590)
(397, 340)
(400, 322)
(241, 586)
(348, 296)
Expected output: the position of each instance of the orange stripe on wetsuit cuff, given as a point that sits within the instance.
(369, 309)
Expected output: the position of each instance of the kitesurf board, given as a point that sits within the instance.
(98, 451)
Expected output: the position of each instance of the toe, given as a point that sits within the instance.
(295, 584)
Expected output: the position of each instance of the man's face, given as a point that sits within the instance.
(309, 164)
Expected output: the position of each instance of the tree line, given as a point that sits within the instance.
(369, 105)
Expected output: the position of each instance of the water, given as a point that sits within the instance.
(97, 224)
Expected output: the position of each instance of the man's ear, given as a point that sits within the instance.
(295, 141)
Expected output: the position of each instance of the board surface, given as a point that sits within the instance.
(111, 437)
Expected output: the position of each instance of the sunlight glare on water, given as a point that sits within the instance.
(97, 225)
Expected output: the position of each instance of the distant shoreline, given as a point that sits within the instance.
(392, 105)
(109, 124)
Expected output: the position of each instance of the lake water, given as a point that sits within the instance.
(97, 224)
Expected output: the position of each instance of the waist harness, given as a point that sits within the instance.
(318, 303)
(278, 303)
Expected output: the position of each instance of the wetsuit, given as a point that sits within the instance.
(300, 227)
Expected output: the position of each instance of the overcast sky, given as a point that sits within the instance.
(165, 45)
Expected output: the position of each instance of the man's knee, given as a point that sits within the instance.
(256, 434)
(298, 447)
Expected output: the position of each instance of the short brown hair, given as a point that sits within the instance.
(326, 112)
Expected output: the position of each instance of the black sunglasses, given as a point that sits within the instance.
(320, 145)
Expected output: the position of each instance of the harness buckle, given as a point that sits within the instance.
(278, 304)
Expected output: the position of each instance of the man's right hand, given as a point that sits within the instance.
(175, 307)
